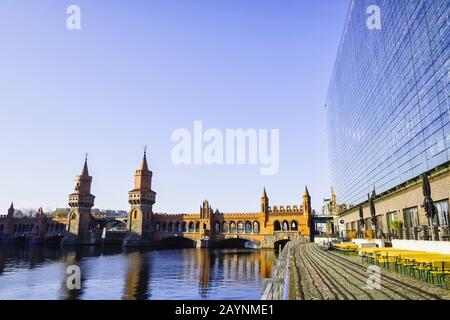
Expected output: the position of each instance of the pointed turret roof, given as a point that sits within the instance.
(144, 165)
(12, 206)
(306, 191)
(85, 171)
(264, 193)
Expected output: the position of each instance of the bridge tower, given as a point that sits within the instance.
(307, 210)
(265, 207)
(11, 211)
(141, 199)
(79, 219)
(333, 201)
(206, 213)
(9, 226)
(41, 223)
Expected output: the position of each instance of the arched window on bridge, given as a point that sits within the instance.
(157, 226)
(197, 227)
(184, 227)
(248, 227)
(164, 227)
(1, 228)
(191, 227)
(225, 227)
(170, 227)
(232, 227)
(285, 226)
(276, 226)
(256, 227)
(240, 227)
(217, 227)
(294, 226)
(178, 227)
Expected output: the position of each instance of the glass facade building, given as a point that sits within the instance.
(388, 104)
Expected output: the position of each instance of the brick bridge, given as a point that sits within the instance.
(142, 227)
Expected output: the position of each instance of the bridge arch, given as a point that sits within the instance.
(233, 243)
(285, 226)
(225, 227)
(176, 242)
(280, 244)
(191, 226)
(170, 226)
(115, 225)
(54, 238)
(164, 226)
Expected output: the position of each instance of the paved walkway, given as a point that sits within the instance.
(322, 275)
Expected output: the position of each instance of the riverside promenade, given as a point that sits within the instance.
(318, 274)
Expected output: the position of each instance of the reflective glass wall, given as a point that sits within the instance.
(387, 105)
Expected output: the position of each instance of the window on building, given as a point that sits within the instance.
(411, 217)
(380, 222)
(442, 216)
(390, 217)
(348, 226)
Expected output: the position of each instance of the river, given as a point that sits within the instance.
(112, 273)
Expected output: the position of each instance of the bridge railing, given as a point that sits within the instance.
(278, 287)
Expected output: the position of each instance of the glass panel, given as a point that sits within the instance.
(442, 216)
(411, 217)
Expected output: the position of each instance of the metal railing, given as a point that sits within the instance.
(424, 232)
(278, 286)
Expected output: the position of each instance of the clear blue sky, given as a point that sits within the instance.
(137, 70)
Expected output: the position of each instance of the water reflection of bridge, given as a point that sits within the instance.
(207, 266)
(141, 270)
